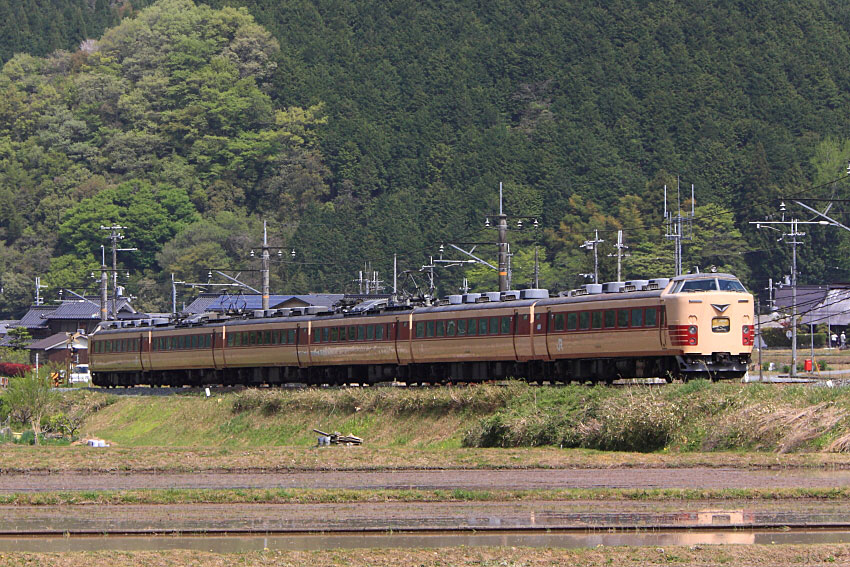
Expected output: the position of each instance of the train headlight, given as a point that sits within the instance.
(692, 330)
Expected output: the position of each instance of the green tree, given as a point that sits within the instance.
(19, 337)
(31, 397)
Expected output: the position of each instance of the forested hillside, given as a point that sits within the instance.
(363, 129)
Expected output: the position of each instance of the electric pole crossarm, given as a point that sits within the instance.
(817, 212)
(237, 281)
(471, 255)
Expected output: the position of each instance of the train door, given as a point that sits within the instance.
(662, 326)
(541, 330)
(392, 335)
(145, 355)
(218, 348)
(302, 345)
(523, 337)
(402, 341)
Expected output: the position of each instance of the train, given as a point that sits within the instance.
(689, 326)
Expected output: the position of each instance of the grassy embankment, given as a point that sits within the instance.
(694, 424)
(694, 417)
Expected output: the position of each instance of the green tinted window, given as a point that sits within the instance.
(325, 334)
(461, 327)
(351, 333)
(379, 332)
(572, 321)
(317, 335)
(506, 325)
(494, 325)
(559, 321)
(651, 317)
(623, 318)
(584, 320)
(610, 319)
(334, 334)
(596, 319)
(429, 328)
(342, 335)
(451, 328)
(472, 329)
(482, 326)
(292, 336)
(637, 317)
(361, 332)
(420, 330)
(370, 332)
(441, 329)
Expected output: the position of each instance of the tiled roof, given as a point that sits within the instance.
(50, 342)
(86, 309)
(202, 303)
(209, 302)
(36, 317)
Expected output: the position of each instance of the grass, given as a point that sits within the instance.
(313, 496)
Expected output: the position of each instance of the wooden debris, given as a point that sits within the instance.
(337, 438)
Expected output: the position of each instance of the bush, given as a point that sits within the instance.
(775, 338)
(14, 369)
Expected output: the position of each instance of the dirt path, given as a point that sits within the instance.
(708, 478)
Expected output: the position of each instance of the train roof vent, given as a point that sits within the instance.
(494, 295)
(258, 313)
(471, 297)
(592, 288)
(535, 293)
(511, 295)
(638, 285)
(455, 299)
(283, 312)
(613, 287)
(159, 321)
(295, 311)
(315, 309)
(658, 283)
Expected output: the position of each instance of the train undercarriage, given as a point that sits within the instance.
(718, 366)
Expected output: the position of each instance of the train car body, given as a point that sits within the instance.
(696, 325)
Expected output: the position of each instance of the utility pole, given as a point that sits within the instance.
(104, 284)
(758, 338)
(620, 254)
(678, 226)
(114, 237)
(536, 270)
(502, 227)
(593, 245)
(791, 238)
(265, 268)
(38, 288)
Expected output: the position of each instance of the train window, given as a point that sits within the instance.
(429, 328)
(267, 337)
(506, 325)
(584, 320)
(334, 334)
(181, 342)
(440, 329)
(472, 328)
(108, 346)
(596, 319)
(420, 330)
(172, 344)
(622, 318)
(482, 326)
(610, 319)
(370, 333)
(637, 317)
(730, 285)
(651, 317)
(292, 336)
(451, 328)
(720, 324)
(196, 341)
(572, 321)
(461, 327)
(342, 335)
(379, 332)
(361, 332)
(494, 325)
(559, 321)
(325, 334)
(351, 333)
(317, 335)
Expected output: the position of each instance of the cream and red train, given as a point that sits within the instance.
(697, 325)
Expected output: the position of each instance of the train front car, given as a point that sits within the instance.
(710, 323)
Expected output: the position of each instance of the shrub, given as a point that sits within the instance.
(14, 369)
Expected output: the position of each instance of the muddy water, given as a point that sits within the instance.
(237, 544)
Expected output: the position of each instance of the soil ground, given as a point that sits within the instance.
(700, 556)
(508, 479)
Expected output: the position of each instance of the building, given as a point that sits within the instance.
(61, 348)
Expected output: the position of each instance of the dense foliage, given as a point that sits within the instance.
(362, 129)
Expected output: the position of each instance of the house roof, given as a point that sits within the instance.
(51, 342)
(81, 309)
(834, 309)
(36, 317)
(807, 295)
(209, 302)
